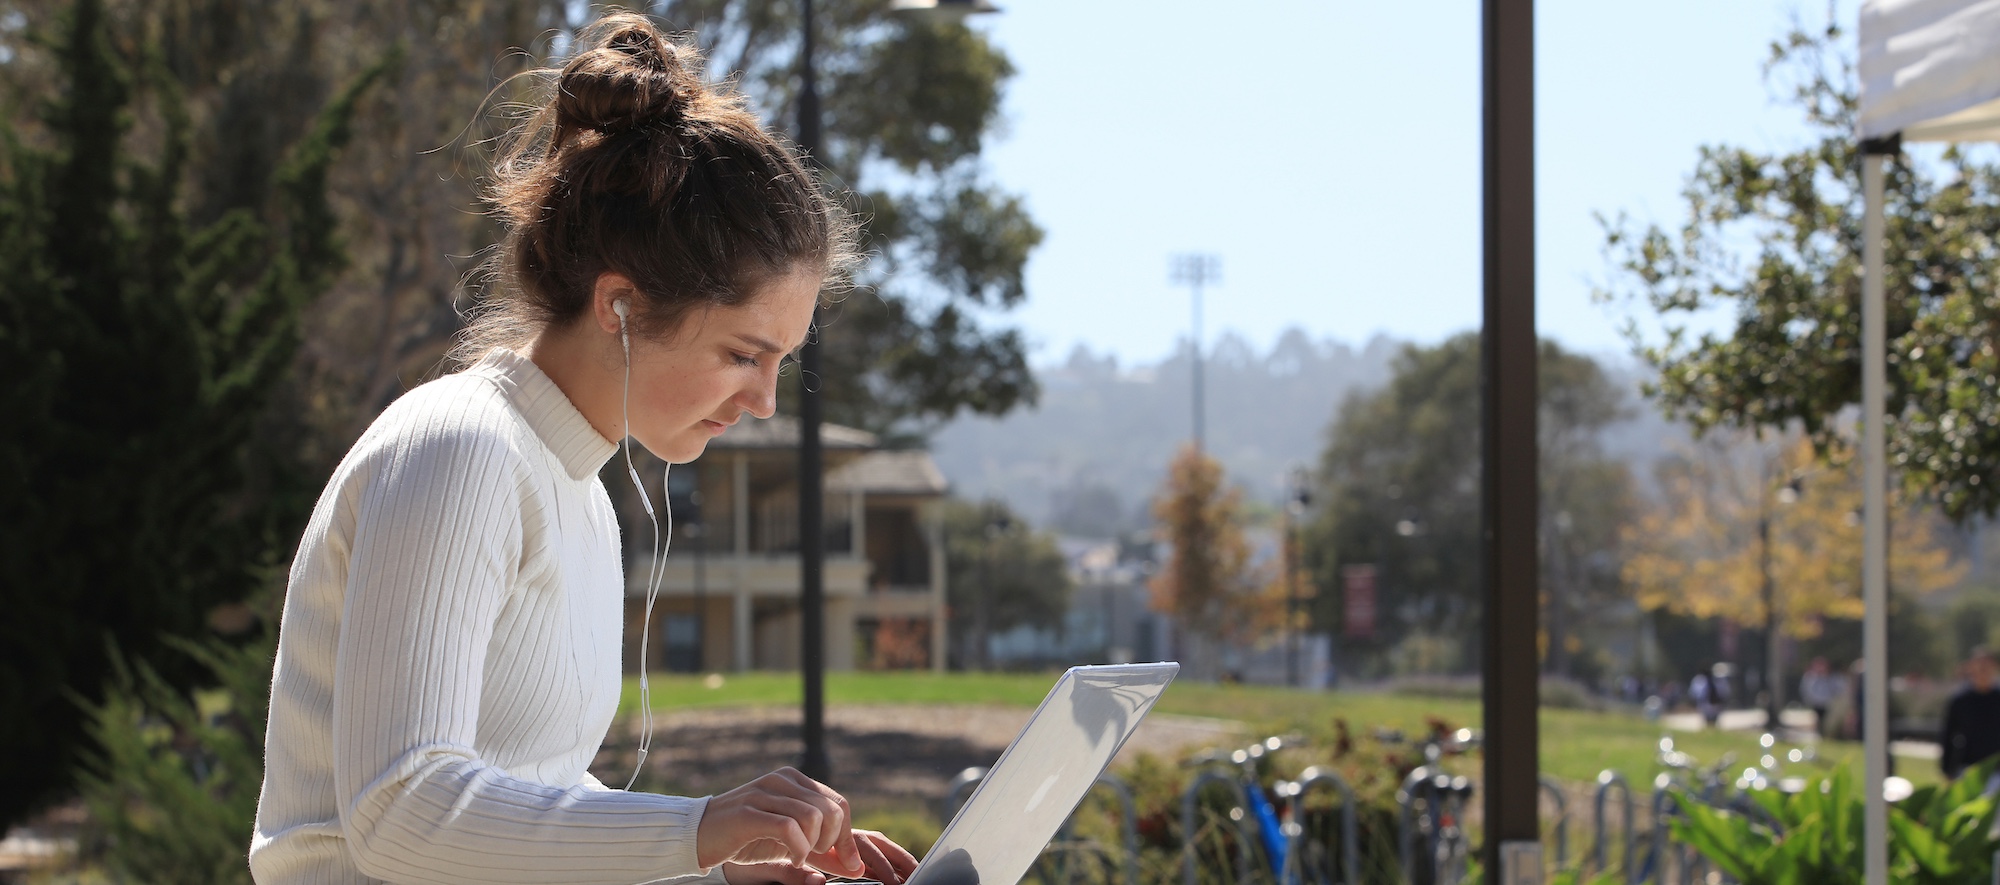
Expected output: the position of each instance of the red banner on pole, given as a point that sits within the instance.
(1358, 601)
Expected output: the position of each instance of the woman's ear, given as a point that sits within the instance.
(612, 288)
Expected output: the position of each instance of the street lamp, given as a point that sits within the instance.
(812, 464)
(1196, 271)
(997, 524)
(1297, 499)
(1774, 678)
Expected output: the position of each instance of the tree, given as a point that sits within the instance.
(915, 98)
(1702, 550)
(148, 483)
(909, 105)
(1399, 482)
(1001, 574)
(1776, 237)
(1207, 583)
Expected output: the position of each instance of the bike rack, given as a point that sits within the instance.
(959, 791)
(1190, 803)
(1350, 845)
(1608, 780)
(1418, 778)
(1437, 790)
(1128, 828)
(1554, 791)
(1665, 808)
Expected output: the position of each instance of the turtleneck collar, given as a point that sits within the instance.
(580, 448)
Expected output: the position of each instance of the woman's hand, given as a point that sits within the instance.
(782, 816)
(885, 862)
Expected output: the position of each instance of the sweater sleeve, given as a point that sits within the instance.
(437, 540)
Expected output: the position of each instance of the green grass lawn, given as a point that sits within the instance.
(1576, 744)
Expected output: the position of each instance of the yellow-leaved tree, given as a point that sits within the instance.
(1730, 514)
(1208, 584)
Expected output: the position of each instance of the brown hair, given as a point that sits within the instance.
(635, 165)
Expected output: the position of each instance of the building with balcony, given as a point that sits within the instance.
(729, 591)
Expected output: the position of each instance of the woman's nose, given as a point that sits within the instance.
(761, 401)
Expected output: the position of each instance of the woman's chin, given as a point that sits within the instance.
(680, 449)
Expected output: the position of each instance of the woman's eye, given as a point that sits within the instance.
(748, 362)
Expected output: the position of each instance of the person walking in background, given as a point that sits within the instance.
(1857, 682)
(1701, 691)
(1818, 689)
(1972, 718)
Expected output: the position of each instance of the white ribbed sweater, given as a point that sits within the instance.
(449, 657)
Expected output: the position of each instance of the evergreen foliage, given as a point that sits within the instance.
(172, 780)
(146, 481)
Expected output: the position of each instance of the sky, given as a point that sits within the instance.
(1328, 153)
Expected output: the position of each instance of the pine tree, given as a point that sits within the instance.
(145, 483)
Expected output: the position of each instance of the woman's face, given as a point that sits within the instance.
(689, 386)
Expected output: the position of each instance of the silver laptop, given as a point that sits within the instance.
(1043, 775)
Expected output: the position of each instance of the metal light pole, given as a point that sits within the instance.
(1195, 271)
(1774, 661)
(698, 533)
(997, 525)
(812, 539)
(812, 464)
(1510, 693)
(1296, 502)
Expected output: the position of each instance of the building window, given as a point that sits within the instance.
(683, 632)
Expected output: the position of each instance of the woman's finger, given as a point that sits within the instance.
(875, 863)
(900, 859)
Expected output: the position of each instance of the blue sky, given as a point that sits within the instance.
(1329, 153)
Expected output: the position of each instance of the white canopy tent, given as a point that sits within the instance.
(1930, 71)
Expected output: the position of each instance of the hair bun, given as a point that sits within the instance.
(629, 76)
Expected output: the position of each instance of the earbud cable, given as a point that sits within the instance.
(656, 571)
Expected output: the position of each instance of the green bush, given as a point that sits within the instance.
(1940, 835)
(173, 778)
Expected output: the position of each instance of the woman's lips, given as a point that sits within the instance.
(715, 428)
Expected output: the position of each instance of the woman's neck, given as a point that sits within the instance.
(587, 372)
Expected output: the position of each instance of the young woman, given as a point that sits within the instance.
(449, 656)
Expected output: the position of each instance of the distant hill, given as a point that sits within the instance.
(1089, 457)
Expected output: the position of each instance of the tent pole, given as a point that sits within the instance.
(1874, 571)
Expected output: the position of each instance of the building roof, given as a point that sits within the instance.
(902, 472)
(782, 432)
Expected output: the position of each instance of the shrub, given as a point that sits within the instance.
(173, 779)
(1942, 834)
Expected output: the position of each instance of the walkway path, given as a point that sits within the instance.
(882, 755)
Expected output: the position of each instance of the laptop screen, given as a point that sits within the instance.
(1044, 774)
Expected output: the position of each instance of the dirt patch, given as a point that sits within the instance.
(882, 756)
